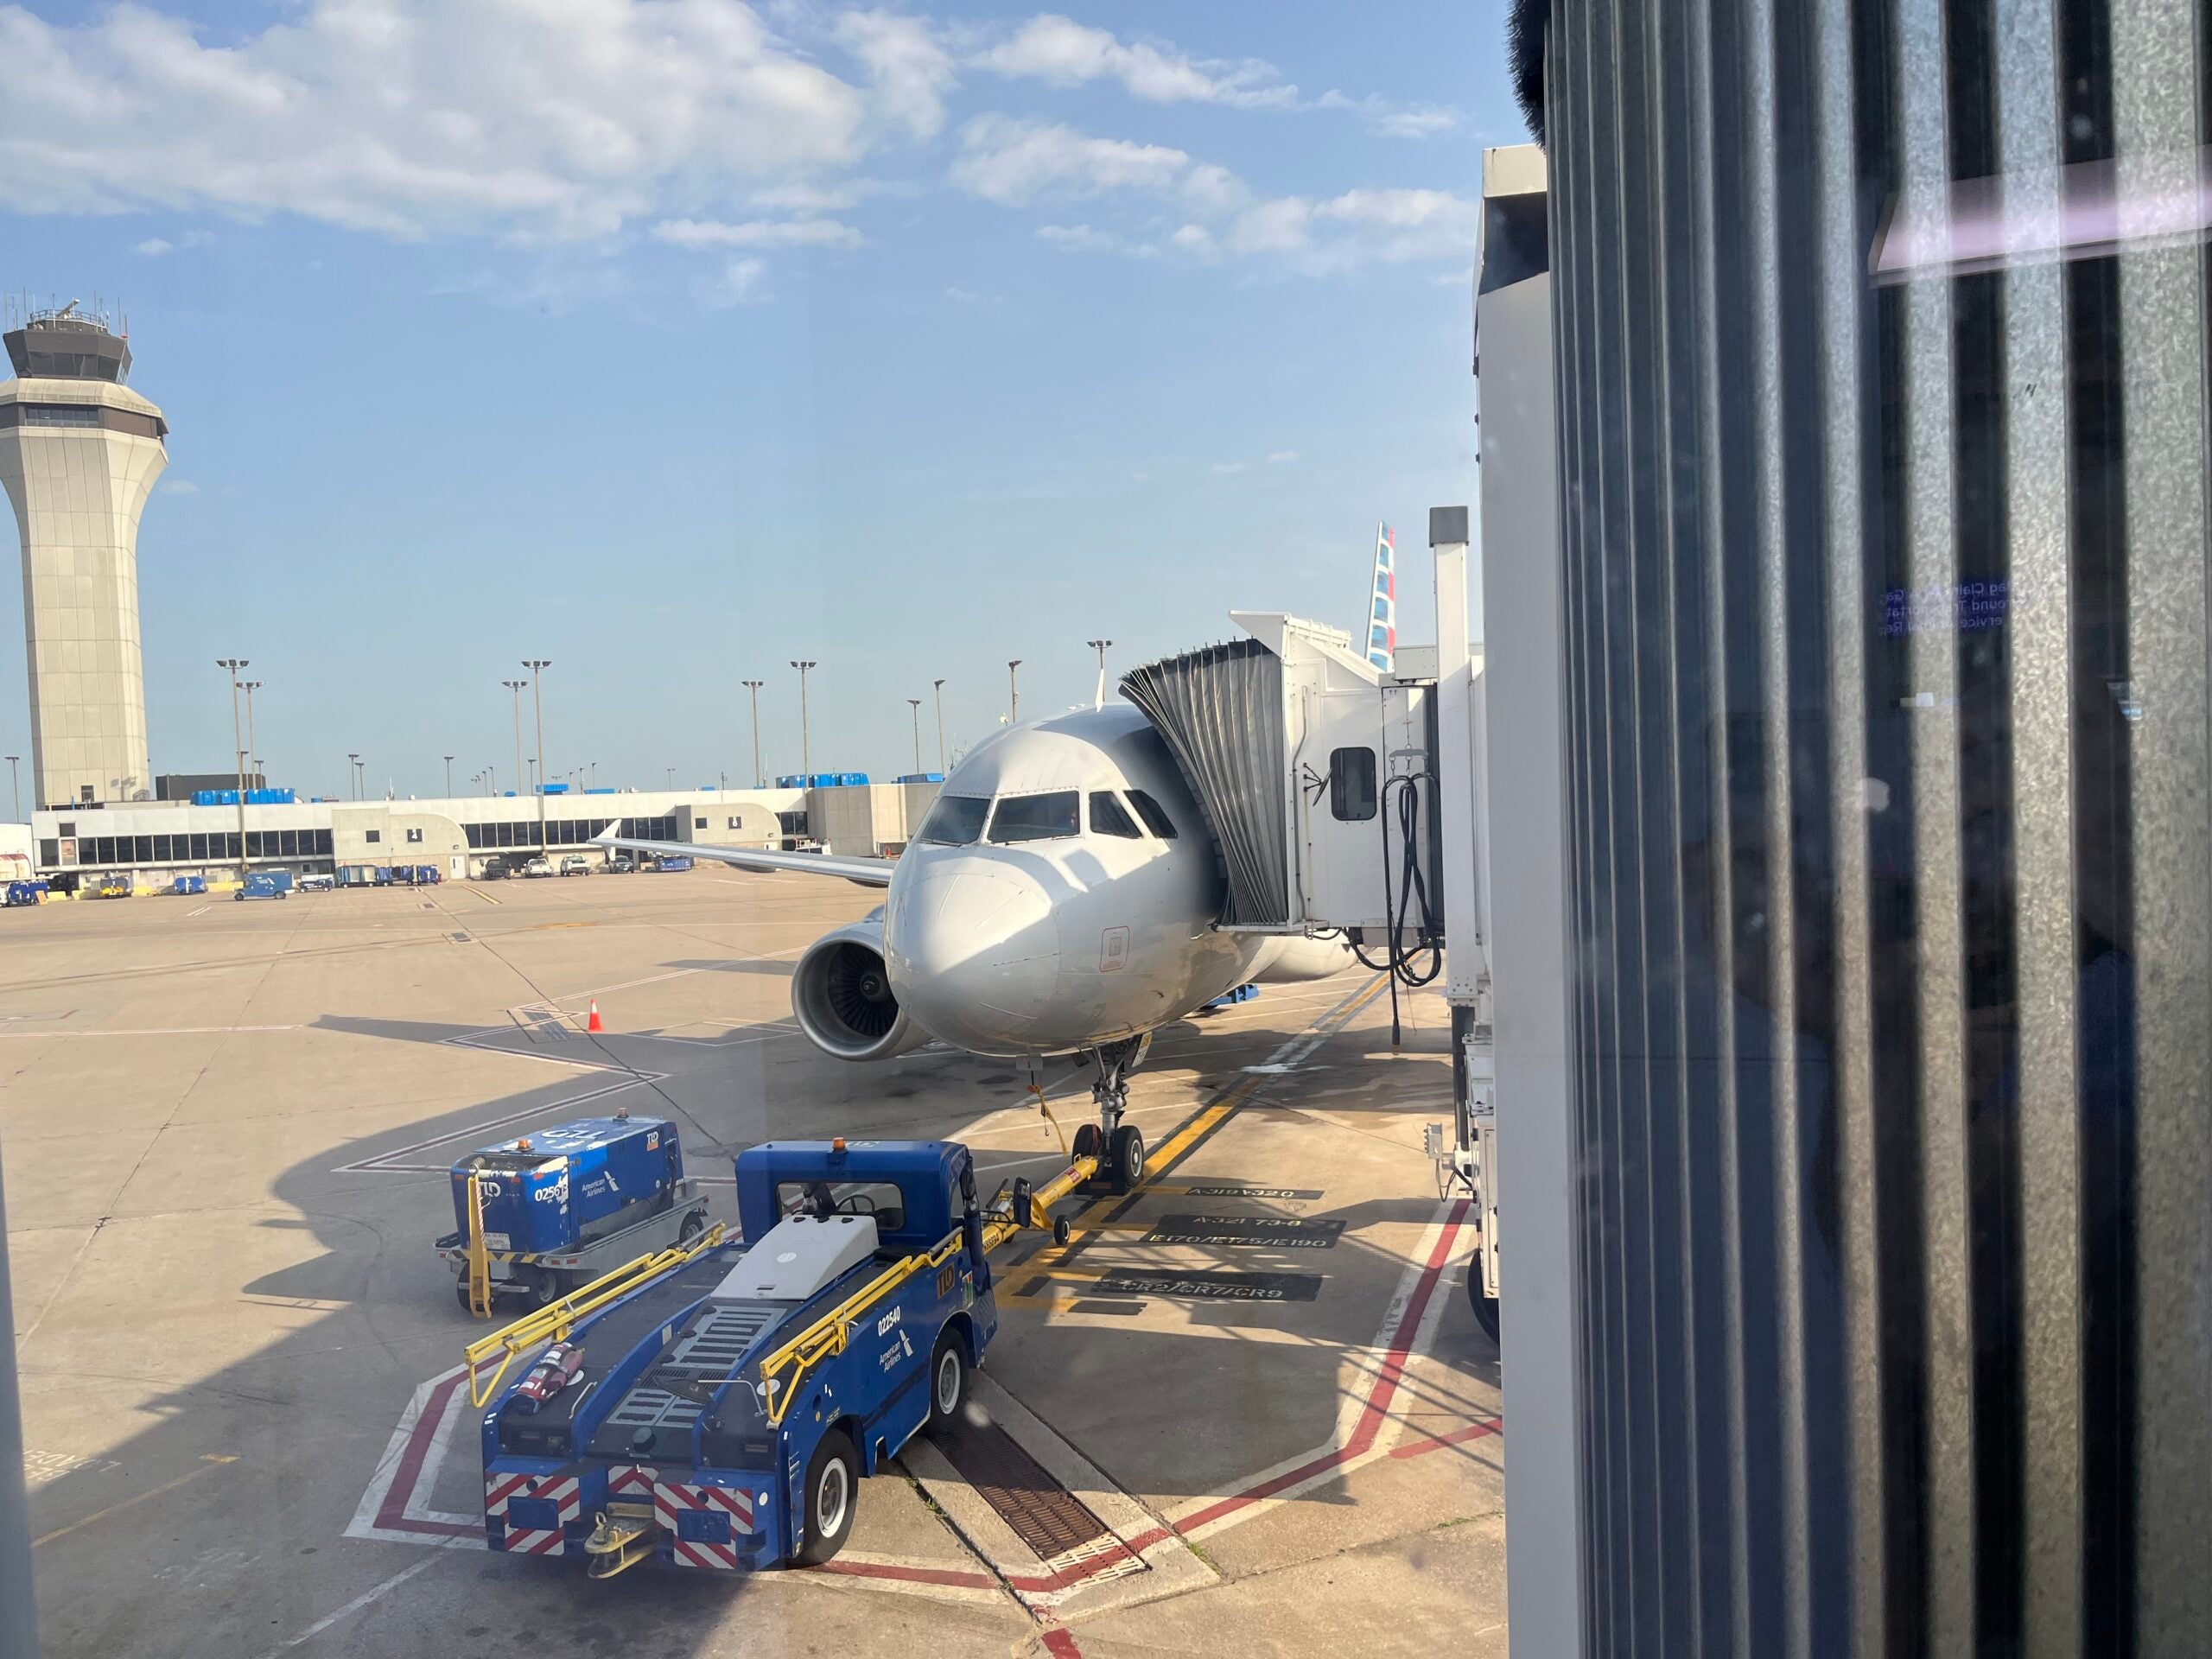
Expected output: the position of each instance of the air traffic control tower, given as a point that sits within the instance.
(79, 452)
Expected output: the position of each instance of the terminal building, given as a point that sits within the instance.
(150, 844)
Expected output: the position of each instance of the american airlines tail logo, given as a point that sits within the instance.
(1382, 602)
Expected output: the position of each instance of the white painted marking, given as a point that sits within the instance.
(153, 1031)
(376, 1593)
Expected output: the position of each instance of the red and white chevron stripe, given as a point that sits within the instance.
(670, 1497)
(565, 1492)
(628, 1480)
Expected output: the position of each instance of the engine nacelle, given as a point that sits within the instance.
(841, 996)
(1291, 957)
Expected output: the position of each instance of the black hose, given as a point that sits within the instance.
(1399, 956)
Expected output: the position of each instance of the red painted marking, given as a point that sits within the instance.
(1061, 1644)
(1457, 1436)
(1377, 1405)
(948, 1575)
(392, 1512)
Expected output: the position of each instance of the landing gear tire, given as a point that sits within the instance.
(1125, 1158)
(833, 1482)
(948, 1379)
(1485, 1306)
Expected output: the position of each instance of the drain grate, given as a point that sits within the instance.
(1044, 1514)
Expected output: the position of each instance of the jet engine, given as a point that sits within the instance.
(1288, 958)
(842, 995)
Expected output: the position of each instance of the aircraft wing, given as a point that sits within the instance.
(867, 872)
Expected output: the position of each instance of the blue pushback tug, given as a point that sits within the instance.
(721, 1413)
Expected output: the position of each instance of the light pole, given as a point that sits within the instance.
(753, 686)
(15, 782)
(805, 743)
(231, 666)
(538, 666)
(515, 687)
(449, 777)
(671, 780)
(594, 776)
(1099, 645)
(353, 774)
(1013, 694)
(940, 725)
(252, 745)
(915, 703)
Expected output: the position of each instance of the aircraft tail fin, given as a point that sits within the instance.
(1382, 625)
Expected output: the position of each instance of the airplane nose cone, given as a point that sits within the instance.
(974, 951)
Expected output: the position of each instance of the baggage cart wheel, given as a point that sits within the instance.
(693, 1225)
(1125, 1158)
(948, 1378)
(461, 1295)
(832, 1494)
(549, 1288)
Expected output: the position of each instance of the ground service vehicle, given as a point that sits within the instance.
(730, 1398)
(106, 887)
(25, 892)
(266, 884)
(539, 866)
(318, 883)
(190, 887)
(575, 864)
(621, 864)
(557, 1208)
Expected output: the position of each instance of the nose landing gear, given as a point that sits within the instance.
(1118, 1147)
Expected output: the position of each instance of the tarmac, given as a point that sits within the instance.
(1244, 1410)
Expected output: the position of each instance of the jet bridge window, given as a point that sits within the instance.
(1035, 818)
(955, 821)
(1110, 818)
(1351, 784)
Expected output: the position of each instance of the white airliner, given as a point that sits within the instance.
(1060, 898)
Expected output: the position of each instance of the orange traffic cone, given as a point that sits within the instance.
(593, 1023)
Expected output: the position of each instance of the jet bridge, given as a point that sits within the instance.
(1318, 774)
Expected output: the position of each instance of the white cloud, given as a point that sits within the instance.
(180, 487)
(1083, 238)
(1013, 162)
(544, 121)
(1283, 457)
(1393, 120)
(742, 281)
(153, 247)
(757, 233)
(1063, 52)
(1228, 468)
(909, 71)
(1017, 163)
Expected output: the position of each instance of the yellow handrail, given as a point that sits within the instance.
(553, 1322)
(479, 1260)
(827, 1335)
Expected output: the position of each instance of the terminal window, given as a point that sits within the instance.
(414, 837)
(373, 836)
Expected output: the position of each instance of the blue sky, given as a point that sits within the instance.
(672, 341)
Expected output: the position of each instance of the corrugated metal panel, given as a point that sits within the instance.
(1220, 711)
(1888, 763)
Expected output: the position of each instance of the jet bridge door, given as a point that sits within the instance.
(1358, 751)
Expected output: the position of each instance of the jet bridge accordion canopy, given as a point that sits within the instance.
(1220, 710)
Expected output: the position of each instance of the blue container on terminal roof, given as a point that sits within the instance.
(555, 1189)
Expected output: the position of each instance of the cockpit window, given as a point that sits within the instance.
(1154, 820)
(1110, 818)
(1035, 818)
(955, 821)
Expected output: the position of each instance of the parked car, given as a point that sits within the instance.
(621, 864)
(575, 864)
(539, 866)
(495, 869)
